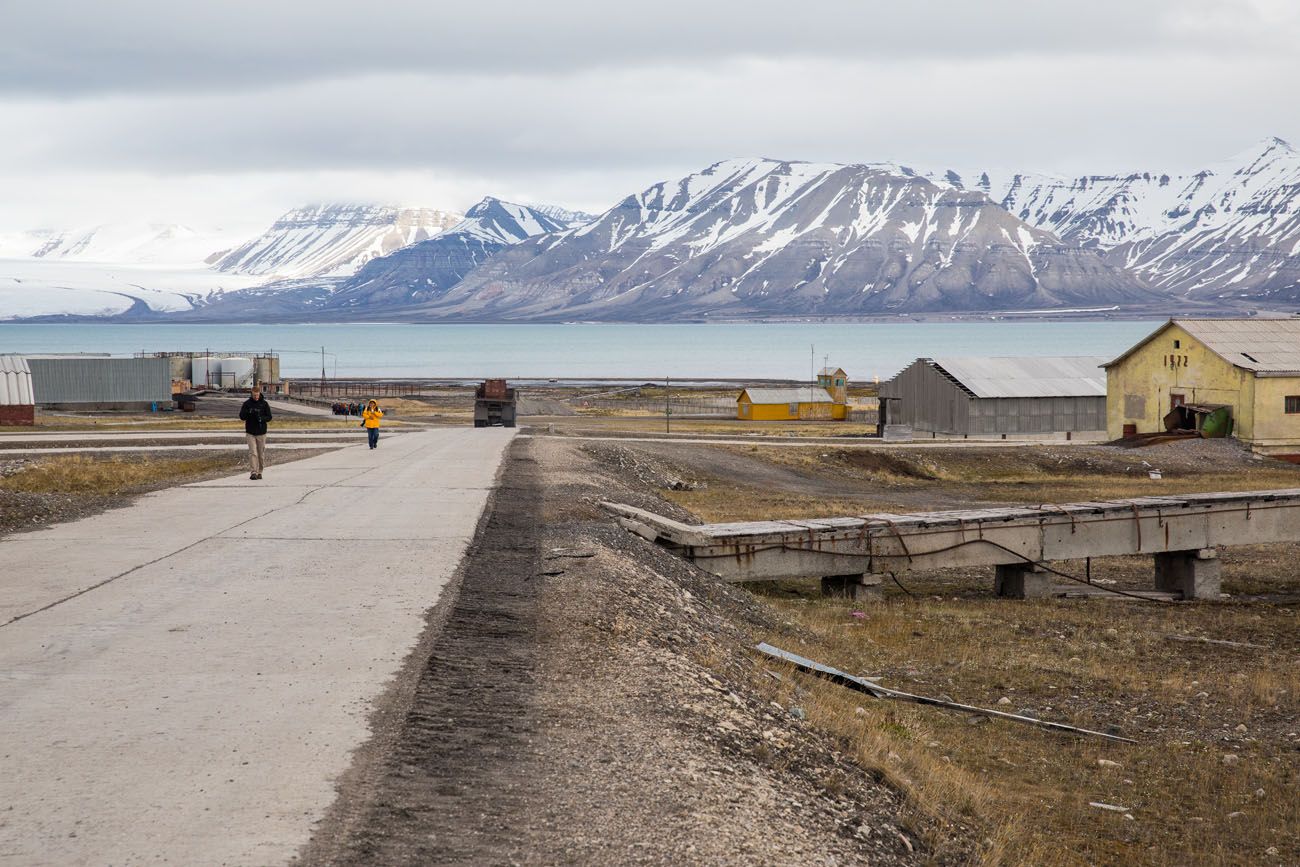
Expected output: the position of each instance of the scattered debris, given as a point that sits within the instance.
(560, 553)
(860, 684)
(1200, 639)
(1111, 807)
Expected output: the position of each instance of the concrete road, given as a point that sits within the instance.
(302, 409)
(182, 680)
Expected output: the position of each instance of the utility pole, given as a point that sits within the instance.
(322, 371)
(668, 408)
(812, 367)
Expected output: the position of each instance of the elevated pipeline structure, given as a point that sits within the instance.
(853, 554)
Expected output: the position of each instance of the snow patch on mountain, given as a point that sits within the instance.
(43, 287)
(1229, 229)
(333, 240)
(117, 243)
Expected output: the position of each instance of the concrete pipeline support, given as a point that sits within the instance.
(850, 554)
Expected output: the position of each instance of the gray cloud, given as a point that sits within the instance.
(238, 107)
(90, 46)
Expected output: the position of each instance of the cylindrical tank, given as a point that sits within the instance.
(206, 371)
(180, 366)
(236, 371)
(266, 369)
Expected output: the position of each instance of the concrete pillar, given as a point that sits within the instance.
(1194, 574)
(1022, 581)
(862, 588)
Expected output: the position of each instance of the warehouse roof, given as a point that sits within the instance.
(14, 364)
(788, 395)
(1059, 376)
(1264, 346)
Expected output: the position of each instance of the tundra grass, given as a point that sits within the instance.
(81, 474)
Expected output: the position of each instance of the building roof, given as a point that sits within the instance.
(15, 381)
(14, 364)
(1059, 376)
(1268, 347)
(804, 394)
(831, 371)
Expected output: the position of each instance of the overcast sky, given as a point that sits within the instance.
(231, 112)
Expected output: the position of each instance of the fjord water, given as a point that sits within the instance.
(590, 351)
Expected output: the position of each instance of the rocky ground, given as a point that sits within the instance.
(589, 699)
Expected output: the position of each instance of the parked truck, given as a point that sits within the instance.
(494, 404)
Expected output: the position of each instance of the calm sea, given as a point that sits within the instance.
(732, 351)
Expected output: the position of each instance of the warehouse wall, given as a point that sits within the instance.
(1037, 415)
(101, 383)
(927, 400)
(930, 401)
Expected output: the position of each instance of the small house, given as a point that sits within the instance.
(804, 403)
(1234, 375)
(17, 407)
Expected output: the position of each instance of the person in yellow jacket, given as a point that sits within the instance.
(372, 414)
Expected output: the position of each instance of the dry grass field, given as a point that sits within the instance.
(1213, 776)
(82, 474)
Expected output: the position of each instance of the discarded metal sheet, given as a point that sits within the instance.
(860, 684)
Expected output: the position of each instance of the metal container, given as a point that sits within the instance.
(236, 372)
(206, 371)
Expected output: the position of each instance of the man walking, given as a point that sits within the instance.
(255, 413)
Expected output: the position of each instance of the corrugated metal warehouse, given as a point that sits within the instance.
(16, 403)
(100, 382)
(997, 396)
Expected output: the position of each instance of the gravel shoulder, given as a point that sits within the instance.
(589, 699)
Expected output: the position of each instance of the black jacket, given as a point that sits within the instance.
(255, 413)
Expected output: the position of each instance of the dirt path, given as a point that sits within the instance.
(588, 699)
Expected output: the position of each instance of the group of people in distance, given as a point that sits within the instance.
(256, 416)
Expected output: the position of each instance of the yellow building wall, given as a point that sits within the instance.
(781, 411)
(1274, 430)
(1138, 388)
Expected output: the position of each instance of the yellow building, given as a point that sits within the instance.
(836, 383)
(1249, 366)
(808, 403)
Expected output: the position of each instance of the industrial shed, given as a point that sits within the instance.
(16, 403)
(100, 382)
(999, 396)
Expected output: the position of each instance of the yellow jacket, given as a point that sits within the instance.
(372, 417)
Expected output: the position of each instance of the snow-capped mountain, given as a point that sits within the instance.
(117, 243)
(563, 215)
(1231, 229)
(766, 237)
(424, 271)
(333, 240)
